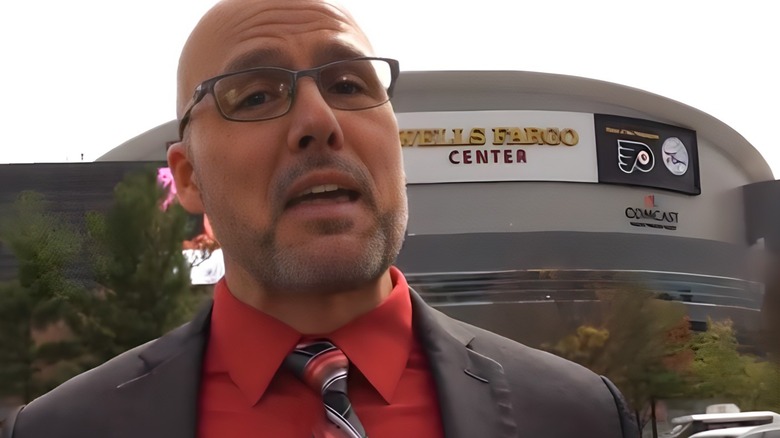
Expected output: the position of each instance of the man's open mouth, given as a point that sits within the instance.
(324, 194)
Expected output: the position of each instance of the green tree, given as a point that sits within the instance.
(763, 392)
(138, 263)
(41, 311)
(634, 345)
(718, 366)
(722, 372)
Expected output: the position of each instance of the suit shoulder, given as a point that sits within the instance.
(540, 376)
(543, 387)
(77, 403)
(514, 354)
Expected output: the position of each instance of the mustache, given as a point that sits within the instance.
(313, 162)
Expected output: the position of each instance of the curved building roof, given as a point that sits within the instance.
(517, 90)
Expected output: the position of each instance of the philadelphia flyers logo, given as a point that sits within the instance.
(634, 155)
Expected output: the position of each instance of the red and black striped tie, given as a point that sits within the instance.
(324, 368)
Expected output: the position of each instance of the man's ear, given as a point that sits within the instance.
(184, 177)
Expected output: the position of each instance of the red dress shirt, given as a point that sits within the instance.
(245, 393)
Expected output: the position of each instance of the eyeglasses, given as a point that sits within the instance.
(265, 93)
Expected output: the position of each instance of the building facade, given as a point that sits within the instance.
(530, 192)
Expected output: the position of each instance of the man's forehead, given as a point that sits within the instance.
(239, 34)
(274, 57)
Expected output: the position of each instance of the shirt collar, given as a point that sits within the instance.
(250, 345)
(246, 343)
(378, 343)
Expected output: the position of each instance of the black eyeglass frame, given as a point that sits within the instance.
(207, 87)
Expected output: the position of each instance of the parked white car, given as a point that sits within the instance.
(729, 432)
(768, 431)
(734, 424)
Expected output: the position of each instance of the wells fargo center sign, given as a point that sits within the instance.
(463, 146)
(475, 146)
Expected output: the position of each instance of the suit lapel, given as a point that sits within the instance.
(169, 388)
(474, 396)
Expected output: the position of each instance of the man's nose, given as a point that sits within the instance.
(313, 122)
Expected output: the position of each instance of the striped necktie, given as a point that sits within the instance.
(323, 367)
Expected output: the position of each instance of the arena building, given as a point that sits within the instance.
(530, 192)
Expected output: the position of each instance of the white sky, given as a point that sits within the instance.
(83, 76)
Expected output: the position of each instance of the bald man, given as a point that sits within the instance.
(289, 144)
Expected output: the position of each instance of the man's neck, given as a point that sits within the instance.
(309, 313)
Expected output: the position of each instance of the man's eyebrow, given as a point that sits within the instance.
(255, 58)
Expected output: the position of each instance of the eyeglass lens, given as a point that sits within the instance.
(266, 92)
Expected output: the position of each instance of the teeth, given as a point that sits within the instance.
(320, 189)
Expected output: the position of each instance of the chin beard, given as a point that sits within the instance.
(286, 271)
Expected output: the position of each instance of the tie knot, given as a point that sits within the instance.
(321, 365)
(324, 368)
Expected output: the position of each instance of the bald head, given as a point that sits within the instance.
(238, 34)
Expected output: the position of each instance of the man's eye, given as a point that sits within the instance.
(254, 95)
(346, 86)
(254, 99)
(235, 100)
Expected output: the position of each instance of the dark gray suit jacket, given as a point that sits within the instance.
(488, 386)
